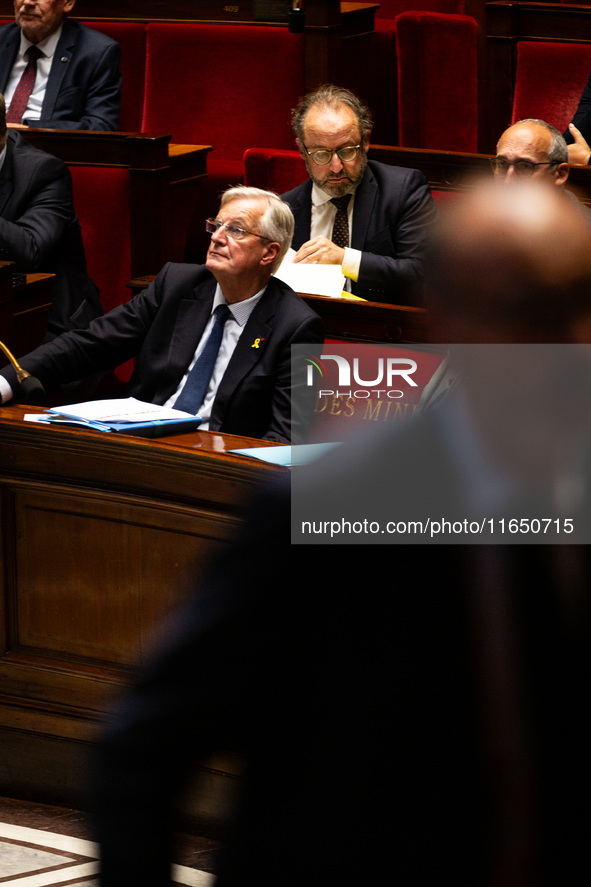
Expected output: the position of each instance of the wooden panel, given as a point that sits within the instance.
(369, 321)
(101, 536)
(24, 310)
(96, 584)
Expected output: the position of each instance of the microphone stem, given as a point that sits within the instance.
(20, 373)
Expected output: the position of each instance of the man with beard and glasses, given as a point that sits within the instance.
(370, 218)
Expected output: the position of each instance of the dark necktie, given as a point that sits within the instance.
(195, 388)
(24, 88)
(340, 230)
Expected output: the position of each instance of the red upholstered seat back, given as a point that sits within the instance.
(222, 85)
(549, 81)
(437, 81)
(101, 198)
(277, 171)
(131, 37)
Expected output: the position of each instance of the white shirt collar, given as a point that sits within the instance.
(3, 155)
(240, 311)
(47, 46)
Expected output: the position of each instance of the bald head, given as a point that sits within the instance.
(512, 265)
(534, 142)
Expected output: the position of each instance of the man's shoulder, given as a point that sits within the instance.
(9, 32)
(24, 153)
(180, 276)
(85, 37)
(301, 192)
(288, 301)
(395, 176)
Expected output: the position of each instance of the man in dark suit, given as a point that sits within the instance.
(169, 325)
(39, 229)
(382, 228)
(73, 79)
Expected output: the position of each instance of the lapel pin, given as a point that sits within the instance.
(256, 343)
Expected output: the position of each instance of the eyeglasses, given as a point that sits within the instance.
(233, 230)
(523, 168)
(346, 154)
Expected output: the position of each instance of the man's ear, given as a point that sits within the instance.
(366, 140)
(69, 5)
(271, 253)
(561, 173)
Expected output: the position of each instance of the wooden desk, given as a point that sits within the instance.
(24, 310)
(354, 321)
(101, 535)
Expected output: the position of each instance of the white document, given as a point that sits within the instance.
(122, 409)
(318, 280)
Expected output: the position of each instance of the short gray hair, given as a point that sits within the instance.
(558, 150)
(331, 97)
(277, 223)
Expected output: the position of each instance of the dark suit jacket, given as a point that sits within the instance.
(84, 85)
(163, 326)
(359, 691)
(39, 230)
(392, 214)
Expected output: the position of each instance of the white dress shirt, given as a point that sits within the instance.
(233, 329)
(322, 223)
(44, 62)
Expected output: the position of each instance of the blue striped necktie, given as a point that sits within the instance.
(195, 388)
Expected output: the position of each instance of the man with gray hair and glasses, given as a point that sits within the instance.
(532, 149)
(213, 340)
(371, 218)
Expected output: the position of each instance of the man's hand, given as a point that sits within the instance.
(321, 250)
(579, 153)
(17, 126)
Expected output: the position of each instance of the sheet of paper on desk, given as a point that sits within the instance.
(318, 280)
(286, 455)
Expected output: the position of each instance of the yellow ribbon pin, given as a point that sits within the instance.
(255, 343)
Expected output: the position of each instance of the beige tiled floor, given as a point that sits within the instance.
(51, 850)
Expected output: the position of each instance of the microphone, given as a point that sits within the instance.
(296, 17)
(30, 386)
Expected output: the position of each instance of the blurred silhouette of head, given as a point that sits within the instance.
(511, 265)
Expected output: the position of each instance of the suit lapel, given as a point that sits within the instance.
(7, 57)
(63, 50)
(365, 198)
(191, 320)
(247, 352)
(6, 183)
(302, 213)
